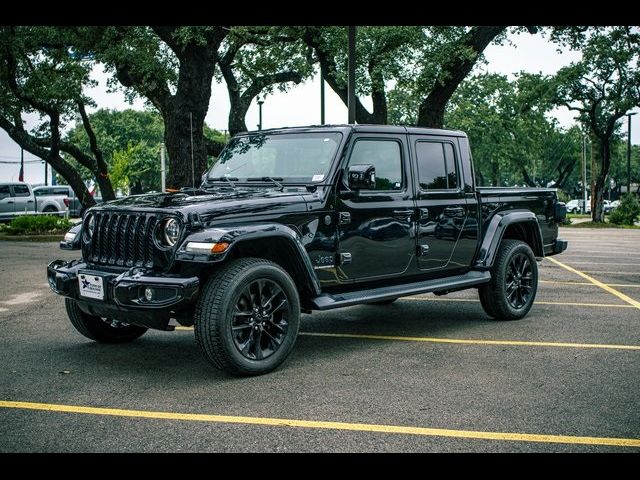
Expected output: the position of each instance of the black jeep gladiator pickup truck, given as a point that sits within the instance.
(299, 219)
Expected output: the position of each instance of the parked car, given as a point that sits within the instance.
(575, 206)
(615, 204)
(606, 206)
(16, 198)
(53, 200)
(313, 218)
(75, 207)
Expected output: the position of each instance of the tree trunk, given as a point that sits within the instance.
(237, 114)
(604, 154)
(184, 116)
(495, 174)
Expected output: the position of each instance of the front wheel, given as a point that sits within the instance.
(514, 282)
(103, 330)
(247, 317)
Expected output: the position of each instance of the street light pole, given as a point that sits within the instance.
(629, 151)
(260, 102)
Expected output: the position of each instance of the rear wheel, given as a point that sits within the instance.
(247, 317)
(50, 209)
(103, 330)
(514, 282)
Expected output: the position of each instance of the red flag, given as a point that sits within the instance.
(21, 175)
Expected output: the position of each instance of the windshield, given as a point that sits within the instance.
(295, 157)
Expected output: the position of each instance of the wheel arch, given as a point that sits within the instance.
(515, 225)
(275, 242)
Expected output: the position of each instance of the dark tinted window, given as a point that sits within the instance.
(4, 191)
(436, 166)
(21, 190)
(385, 156)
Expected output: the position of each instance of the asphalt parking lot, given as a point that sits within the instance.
(426, 374)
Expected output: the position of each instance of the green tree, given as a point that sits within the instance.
(172, 68)
(256, 60)
(409, 72)
(130, 140)
(601, 87)
(38, 74)
(514, 141)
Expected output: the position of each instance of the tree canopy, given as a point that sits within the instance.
(602, 87)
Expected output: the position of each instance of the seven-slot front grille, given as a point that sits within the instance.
(123, 239)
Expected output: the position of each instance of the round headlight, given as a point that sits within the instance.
(170, 232)
(90, 225)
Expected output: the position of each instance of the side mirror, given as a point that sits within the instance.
(362, 177)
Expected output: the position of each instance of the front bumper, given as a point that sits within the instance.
(124, 293)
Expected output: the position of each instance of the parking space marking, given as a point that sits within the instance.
(606, 263)
(562, 304)
(604, 286)
(625, 285)
(315, 424)
(463, 341)
(518, 343)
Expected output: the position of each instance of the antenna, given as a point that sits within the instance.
(193, 165)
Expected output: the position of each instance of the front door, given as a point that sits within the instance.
(6, 201)
(376, 233)
(440, 200)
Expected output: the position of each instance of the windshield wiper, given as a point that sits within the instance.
(229, 180)
(268, 179)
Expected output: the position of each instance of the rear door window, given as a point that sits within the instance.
(21, 190)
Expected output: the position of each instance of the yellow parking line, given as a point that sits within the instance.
(473, 342)
(466, 341)
(563, 304)
(314, 424)
(603, 286)
(624, 285)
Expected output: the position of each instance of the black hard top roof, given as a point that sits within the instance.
(364, 129)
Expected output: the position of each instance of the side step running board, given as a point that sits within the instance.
(328, 301)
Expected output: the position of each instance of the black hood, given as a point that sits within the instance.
(211, 204)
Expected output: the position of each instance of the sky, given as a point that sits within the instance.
(301, 104)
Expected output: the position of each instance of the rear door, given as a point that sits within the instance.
(24, 201)
(6, 201)
(440, 200)
(376, 230)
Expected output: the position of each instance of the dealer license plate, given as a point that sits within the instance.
(91, 286)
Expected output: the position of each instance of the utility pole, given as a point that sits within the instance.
(163, 171)
(321, 95)
(351, 85)
(584, 174)
(46, 173)
(629, 151)
(593, 179)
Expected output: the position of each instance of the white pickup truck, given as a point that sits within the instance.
(53, 199)
(16, 198)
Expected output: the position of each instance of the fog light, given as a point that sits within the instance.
(148, 294)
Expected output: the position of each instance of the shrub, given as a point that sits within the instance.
(37, 224)
(628, 211)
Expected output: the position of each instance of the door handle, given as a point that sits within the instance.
(10, 201)
(29, 201)
(403, 214)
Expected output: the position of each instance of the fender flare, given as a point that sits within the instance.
(495, 232)
(236, 235)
